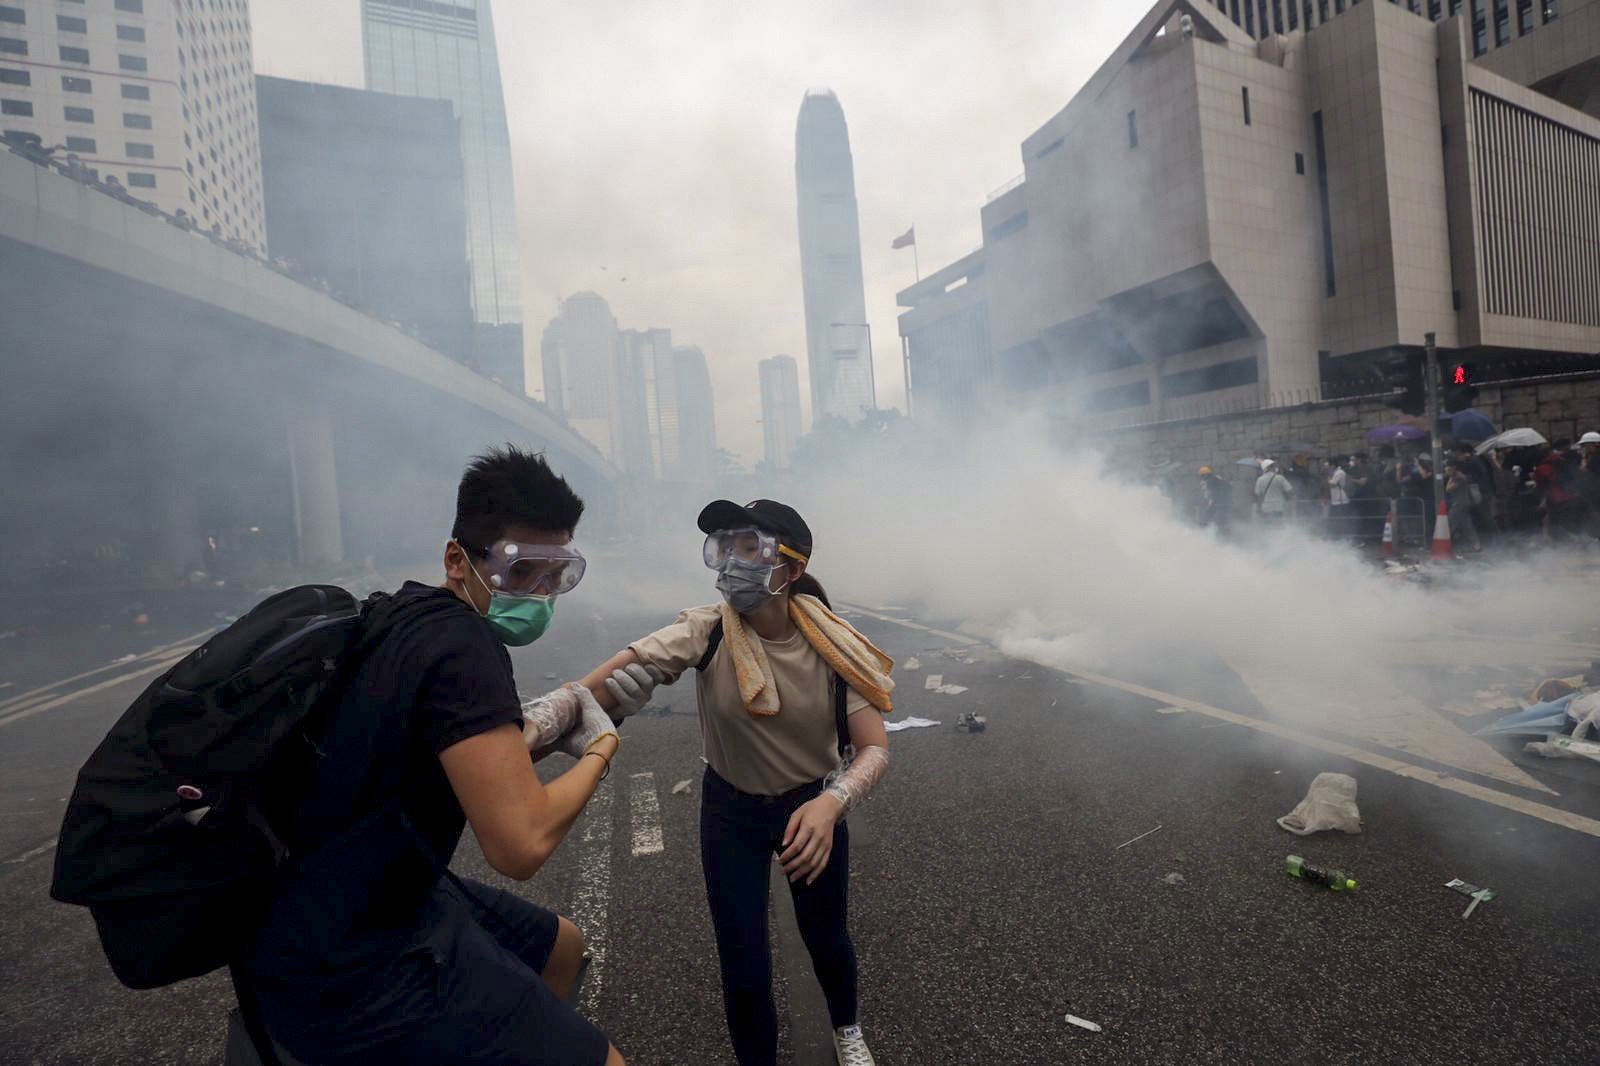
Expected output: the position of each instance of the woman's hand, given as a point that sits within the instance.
(808, 839)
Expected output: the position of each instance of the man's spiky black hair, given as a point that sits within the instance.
(510, 487)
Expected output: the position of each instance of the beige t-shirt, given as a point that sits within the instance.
(765, 756)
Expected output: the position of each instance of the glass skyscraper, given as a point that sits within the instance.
(445, 49)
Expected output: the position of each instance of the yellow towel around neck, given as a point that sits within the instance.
(852, 656)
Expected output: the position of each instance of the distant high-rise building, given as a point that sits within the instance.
(580, 370)
(635, 356)
(780, 409)
(365, 189)
(158, 95)
(697, 420)
(651, 352)
(446, 50)
(838, 340)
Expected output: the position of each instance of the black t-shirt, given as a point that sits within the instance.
(437, 677)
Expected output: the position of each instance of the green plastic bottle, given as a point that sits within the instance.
(1337, 880)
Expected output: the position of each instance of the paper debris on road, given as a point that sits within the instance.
(1136, 839)
(1173, 879)
(1479, 895)
(912, 663)
(972, 723)
(909, 723)
(932, 682)
(1083, 1023)
(682, 787)
(951, 690)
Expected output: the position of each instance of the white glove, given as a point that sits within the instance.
(592, 724)
(631, 687)
(545, 718)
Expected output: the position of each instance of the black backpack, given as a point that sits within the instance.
(166, 838)
(841, 693)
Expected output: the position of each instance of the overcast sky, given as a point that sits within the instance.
(655, 141)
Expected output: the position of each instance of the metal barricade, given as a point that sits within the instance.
(1362, 520)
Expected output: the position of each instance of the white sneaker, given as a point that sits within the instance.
(851, 1047)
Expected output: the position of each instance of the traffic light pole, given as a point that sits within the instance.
(1434, 379)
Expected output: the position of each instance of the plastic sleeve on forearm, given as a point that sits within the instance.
(852, 784)
(545, 718)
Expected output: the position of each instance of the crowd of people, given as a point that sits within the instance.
(1548, 492)
(33, 149)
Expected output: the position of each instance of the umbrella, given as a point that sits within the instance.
(1253, 464)
(1471, 425)
(1390, 434)
(1512, 438)
(1537, 720)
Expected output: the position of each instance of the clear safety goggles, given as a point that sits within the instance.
(753, 547)
(516, 569)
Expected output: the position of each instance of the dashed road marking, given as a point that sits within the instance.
(593, 896)
(645, 808)
(1543, 812)
(46, 692)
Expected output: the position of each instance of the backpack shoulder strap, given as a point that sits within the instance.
(841, 721)
(711, 647)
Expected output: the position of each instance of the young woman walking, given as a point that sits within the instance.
(787, 691)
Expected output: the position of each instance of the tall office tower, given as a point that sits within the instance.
(365, 189)
(446, 50)
(780, 409)
(634, 354)
(159, 95)
(649, 351)
(580, 370)
(838, 340)
(697, 420)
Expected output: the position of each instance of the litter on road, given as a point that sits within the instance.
(951, 690)
(1083, 1023)
(682, 787)
(1466, 888)
(912, 663)
(1173, 878)
(1170, 710)
(1136, 839)
(972, 723)
(1337, 880)
(1330, 803)
(932, 682)
(909, 723)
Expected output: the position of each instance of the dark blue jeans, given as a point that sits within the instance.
(739, 834)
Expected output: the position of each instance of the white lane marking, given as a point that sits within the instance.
(646, 813)
(50, 705)
(1543, 812)
(40, 850)
(43, 692)
(593, 895)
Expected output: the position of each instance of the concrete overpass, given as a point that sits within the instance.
(156, 387)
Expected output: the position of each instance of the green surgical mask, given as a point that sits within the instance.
(520, 620)
(517, 620)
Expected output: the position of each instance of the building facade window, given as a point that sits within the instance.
(135, 6)
(1299, 163)
(1244, 93)
(135, 122)
(13, 14)
(141, 181)
(1133, 129)
(72, 24)
(130, 33)
(74, 55)
(1502, 23)
(15, 77)
(13, 46)
(78, 114)
(136, 150)
(16, 107)
(82, 144)
(1322, 193)
(1524, 16)
(138, 64)
(71, 84)
(135, 92)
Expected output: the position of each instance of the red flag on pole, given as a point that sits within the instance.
(906, 239)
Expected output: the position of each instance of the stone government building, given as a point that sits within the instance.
(1252, 207)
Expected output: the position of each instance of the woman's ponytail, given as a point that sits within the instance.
(806, 585)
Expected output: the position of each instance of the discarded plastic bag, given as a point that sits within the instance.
(1537, 720)
(1329, 804)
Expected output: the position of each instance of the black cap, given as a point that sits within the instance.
(768, 515)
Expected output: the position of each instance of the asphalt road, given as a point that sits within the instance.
(989, 895)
